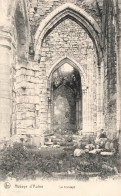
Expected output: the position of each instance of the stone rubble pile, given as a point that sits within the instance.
(101, 145)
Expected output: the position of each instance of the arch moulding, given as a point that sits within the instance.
(77, 14)
(74, 64)
(12, 7)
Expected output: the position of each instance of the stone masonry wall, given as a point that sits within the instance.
(71, 40)
(110, 76)
(27, 98)
(45, 7)
(30, 96)
(24, 95)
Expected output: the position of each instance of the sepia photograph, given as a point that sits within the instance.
(60, 97)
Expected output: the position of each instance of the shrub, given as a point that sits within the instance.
(20, 163)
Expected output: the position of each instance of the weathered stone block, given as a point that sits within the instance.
(25, 115)
(32, 79)
(25, 107)
(28, 99)
(25, 123)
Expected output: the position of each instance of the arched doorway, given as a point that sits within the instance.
(66, 97)
(51, 44)
(66, 93)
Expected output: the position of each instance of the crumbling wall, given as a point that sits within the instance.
(110, 67)
(68, 39)
(43, 8)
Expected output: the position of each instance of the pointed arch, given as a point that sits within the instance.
(74, 64)
(24, 9)
(77, 14)
(22, 27)
(18, 13)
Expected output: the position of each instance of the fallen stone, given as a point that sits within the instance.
(53, 137)
(86, 150)
(90, 146)
(78, 152)
(101, 142)
(44, 146)
(111, 145)
(107, 153)
(107, 145)
(56, 146)
(93, 151)
(107, 168)
(48, 143)
(99, 150)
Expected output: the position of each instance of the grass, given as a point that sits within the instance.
(31, 163)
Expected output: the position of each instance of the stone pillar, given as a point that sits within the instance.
(102, 96)
(84, 110)
(119, 70)
(5, 84)
(98, 101)
(119, 77)
(49, 113)
(77, 114)
(80, 113)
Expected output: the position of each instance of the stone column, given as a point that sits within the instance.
(77, 114)
(80, 113)
(118, 34)
(49, 112)
(119, 77)
(84, 110)
(98, 100)
(102, 95)
(5, 84)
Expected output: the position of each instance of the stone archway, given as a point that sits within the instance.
(71, 12)
(80, 100)
(79, 15)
